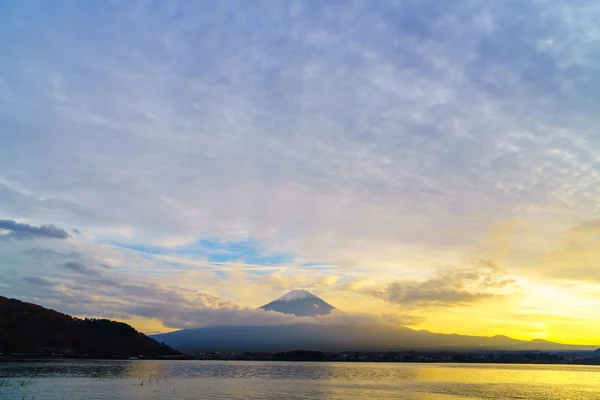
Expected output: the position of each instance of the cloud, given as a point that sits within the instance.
(367, 121)
(450, 287)
(369, 320)
(114, 294)
(175, 241)
(23, 231)
(80, 268)
(328, 280)
(34, 280)
(592, 226)
(44, 253)
(357, 284)
(574, 256)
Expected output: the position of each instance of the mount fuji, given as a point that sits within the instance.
(300, 303)
(336, 335)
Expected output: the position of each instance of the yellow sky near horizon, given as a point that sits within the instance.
(512, 300)
(482, 299)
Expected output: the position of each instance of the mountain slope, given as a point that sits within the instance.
(336, 338)
(300, 303)
(32, 329)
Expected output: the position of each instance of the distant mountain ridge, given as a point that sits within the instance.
(31, 329)
(300, 303)
(337, 337)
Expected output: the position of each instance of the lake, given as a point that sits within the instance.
(158, 380)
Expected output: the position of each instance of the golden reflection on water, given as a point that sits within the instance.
(186, 380)
(510, 373)
(375, 380)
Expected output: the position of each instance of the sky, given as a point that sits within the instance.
(177, 164)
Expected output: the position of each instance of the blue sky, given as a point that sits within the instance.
(247, 252)
(363, 150)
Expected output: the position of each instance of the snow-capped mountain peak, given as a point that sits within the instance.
(297, 295)
(301, 303)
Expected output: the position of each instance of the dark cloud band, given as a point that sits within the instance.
(23, 231)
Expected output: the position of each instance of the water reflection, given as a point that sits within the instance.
(262, 380)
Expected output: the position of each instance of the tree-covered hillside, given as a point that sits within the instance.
(34, 330)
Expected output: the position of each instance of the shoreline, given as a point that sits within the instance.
(67, 359)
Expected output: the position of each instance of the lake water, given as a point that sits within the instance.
(158, 380)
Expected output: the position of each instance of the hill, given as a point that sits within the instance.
(300, 303)
(34, 330)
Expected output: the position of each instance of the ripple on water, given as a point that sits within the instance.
(159, 380)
